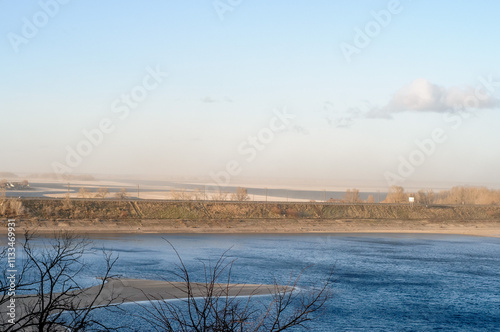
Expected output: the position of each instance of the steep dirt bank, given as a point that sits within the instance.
(262, 226)
(53, 209)
(123, 216)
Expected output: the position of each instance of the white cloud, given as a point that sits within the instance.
(424, 96)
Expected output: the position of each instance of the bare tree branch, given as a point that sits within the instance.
(48, 295)
(215, 305)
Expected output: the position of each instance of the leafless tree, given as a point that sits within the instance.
(468, 195)
(122, 194)
(67, 202)
(47, 294)
(352, 196)
(370, 199)
(102, 192)
(240, 195)
(218, 307)
(425, 197)
(396, 194)
(181, 195)
(198, 195)
(220, 195)
(83, 192)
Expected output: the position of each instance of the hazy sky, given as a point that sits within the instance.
(391, 92)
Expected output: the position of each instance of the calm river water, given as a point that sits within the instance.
(384, 282)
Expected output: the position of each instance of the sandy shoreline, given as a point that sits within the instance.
(263, 226)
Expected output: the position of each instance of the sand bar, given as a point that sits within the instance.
(119, 291)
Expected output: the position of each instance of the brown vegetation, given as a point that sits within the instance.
(352, 196)
(370, 199)
(456, 195)
(181, 195)
(468, 195)
(102, 193)
(122, 194)
(220, 196)
(84, 193)
(219, 210)
(11, 207)
(240, 195)
(396, 194)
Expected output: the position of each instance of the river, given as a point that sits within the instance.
(383, 282)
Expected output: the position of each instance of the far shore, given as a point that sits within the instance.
(488, 228)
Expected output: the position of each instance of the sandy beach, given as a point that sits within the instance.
(489, 228)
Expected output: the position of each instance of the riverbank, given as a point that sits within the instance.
(87, 216)
(83, 209)
(489, 228)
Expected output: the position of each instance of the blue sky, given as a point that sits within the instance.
(355, 121)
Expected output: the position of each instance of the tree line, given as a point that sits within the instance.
(455, 195)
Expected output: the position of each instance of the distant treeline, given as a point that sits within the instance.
(11, 185)
(456, 195)
(76, 177)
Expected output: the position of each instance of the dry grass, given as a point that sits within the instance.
(11, 207)
(456, 195)
(193, 210)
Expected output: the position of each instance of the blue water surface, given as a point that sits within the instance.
(383, 282)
